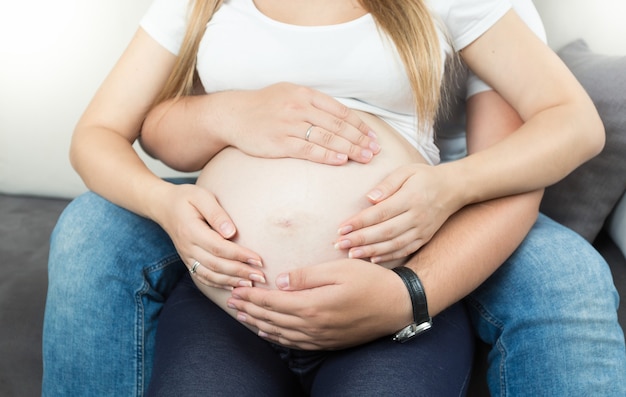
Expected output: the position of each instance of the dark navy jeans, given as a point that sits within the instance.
(202, 351)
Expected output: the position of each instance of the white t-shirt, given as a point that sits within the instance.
(353, 62)
(450, 131)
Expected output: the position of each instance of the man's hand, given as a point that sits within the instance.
(288, 120)
(282, 120)
(329, 306)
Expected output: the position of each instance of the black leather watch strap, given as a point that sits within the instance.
(418, 298)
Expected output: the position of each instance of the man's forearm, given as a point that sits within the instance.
(456, 260)
(178, 135)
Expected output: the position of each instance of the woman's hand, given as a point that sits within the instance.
(322, 306)
(282, 120)
(410, 205)
(200, 229)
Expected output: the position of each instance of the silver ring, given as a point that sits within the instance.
(308, 133)
(192, 271)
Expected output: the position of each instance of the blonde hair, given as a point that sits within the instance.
(180, 81)
(408, 23)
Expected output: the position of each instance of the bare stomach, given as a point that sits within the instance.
(289, 210)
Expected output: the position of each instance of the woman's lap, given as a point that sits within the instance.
(201, 349)
(437, 363)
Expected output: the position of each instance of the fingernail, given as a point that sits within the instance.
(367, 154)
(375, 147)
(375, 259)
(342, 157)
(227, 229)
(242, 317)
(343, 244)
(231, 306)
(372, 135)
(282, 281)
(245, 283)
(263, 334)
(254, 262)
(257, 278)
(375, 195)
(356, 254)
(345, 230)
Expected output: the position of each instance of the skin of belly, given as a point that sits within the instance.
(289, 210)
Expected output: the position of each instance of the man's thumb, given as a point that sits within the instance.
(303, 278)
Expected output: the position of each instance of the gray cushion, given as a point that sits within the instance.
(584, 199)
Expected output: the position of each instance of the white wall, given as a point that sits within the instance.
(602, 23)
(55, 53)
(53, 56)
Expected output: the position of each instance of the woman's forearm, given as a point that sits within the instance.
(542, 152)
(101, 149)
(109, 166)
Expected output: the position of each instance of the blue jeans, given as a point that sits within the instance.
(549, 311)
(202, 351)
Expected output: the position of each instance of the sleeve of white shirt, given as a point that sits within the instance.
(527, 11)
(166, 22)
(466, 20)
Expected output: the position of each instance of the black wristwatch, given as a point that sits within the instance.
(421, 320)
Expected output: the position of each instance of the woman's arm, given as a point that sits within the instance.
(561, 130)
(102, 153)
(561, 127)
(101, 150)
(271, 122)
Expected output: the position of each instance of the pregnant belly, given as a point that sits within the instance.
(289, 210)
